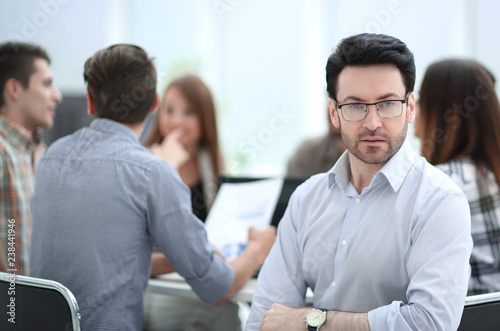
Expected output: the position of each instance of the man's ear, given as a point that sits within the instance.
(90, 105)
(412, 111)
(12, 89)
(333, 113)
(156, 104)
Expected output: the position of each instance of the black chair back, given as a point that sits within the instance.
(481, 312)
(36, 304)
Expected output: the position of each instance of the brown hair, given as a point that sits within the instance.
(459, 114)
(17, 61)
(121, 79)
(199, 97)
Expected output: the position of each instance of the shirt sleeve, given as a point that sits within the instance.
(182, 237)
(280, 279)
(438, 269)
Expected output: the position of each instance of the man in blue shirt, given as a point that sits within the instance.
(101, 202)
(383, 238)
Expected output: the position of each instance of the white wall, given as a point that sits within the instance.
(264, 60)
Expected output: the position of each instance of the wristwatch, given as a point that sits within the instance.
(315, 318)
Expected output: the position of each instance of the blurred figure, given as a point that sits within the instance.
(28, 100)
(185, 134)
(317, 155)
(458, 122)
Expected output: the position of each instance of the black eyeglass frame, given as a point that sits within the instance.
(403, 101)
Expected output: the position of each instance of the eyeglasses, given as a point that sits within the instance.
(353, 112)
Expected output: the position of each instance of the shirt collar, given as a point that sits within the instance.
(107, 125)
(17, 135)
(394, 171)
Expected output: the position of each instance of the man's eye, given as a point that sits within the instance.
(387, 104)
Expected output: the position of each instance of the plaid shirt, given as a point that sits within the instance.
(484, 199)
(20, 152)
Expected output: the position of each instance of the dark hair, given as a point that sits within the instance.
(200, 99)
(459, 114)
(17, 61)
(367, 49)
(121, 79)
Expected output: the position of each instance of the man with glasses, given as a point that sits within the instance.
(383, 238)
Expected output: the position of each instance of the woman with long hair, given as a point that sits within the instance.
(185, 134)
(458, 122)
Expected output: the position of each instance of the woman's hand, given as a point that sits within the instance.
(171, 149)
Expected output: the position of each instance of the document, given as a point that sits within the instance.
(236, 208)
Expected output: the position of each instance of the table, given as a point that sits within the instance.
(173, 284)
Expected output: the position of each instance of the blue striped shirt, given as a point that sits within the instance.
(101, 202)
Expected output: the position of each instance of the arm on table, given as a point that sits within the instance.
(245, 265)
(281, 317)
(161, 264)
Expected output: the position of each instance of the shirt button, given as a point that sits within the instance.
(357, 200)
(344, 242)
(334, 284)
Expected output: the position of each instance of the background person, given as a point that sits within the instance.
(316, 155)
(458, 122)
(28, 100)
(185, 134)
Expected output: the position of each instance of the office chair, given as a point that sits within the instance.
(36, 304)
(481, 312)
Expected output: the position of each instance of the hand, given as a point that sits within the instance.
(281, 317)
(218, 252)
(259, 245)
(261, 241)
(172, 150)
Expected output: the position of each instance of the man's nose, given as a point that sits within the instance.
(372, 120)
(57, 95)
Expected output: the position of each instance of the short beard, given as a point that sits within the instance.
(371, 156)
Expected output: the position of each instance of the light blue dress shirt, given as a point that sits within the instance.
(101, 201)
(399, 250)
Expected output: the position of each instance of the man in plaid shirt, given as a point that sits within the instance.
(28, 98)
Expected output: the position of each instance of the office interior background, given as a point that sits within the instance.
(263, 60)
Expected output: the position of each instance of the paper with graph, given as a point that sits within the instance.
(238, 206)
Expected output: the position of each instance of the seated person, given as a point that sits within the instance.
(184, 133)
(102, 201)
(383, 239)
(28, 100)
(458, 122)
